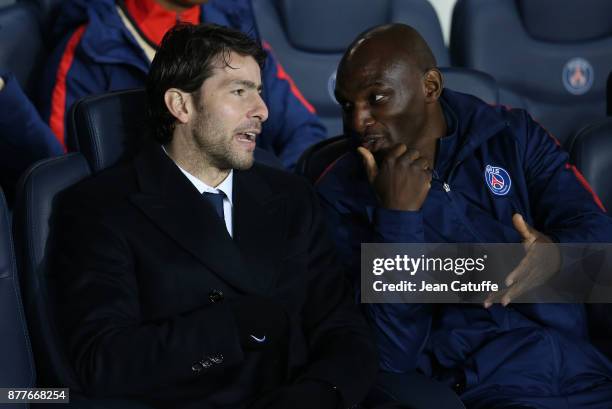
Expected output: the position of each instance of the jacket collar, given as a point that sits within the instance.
(153, 21)
(476, 122)
(248, 262)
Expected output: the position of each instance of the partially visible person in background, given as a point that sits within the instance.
(108, 45)
(24, 138)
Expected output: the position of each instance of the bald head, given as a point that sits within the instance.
(393, 41)
(388, 87)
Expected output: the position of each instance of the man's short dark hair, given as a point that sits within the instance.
(185, 59)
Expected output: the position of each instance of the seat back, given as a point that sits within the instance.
(16, 363)
(47, 10)
(316, 159)
(468, 81)
(108, 128)
(32, 218)
(591, 152)
(310, 52)
(112, 127)
(555, 58)
(21, 45)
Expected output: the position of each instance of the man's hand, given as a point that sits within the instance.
(403, 180)
(1, 83)
(542, 260)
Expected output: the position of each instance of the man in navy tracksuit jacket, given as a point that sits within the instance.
(107, 45)
(423, 174)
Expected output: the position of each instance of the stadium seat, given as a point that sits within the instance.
(17, 365)
(591, 152)
(111, 127)
(21, 45)
(556, 58)
(472, 82)
(309, 37)
(48, 10)
(33, 220)
(317, 158)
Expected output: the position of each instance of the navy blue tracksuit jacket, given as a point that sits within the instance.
(493, 163)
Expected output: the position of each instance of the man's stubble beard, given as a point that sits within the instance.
(214, 146)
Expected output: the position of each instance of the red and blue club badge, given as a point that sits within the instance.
(577, 76)
(498, 180)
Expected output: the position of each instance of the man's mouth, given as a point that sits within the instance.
(247, 137)
(372, 142)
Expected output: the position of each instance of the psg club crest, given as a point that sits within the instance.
(498, 180)
(577, 76)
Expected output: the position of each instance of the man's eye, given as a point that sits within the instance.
(377, 98)
(239, 92)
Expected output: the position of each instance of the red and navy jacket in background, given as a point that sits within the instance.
(493, 163)
(97, 54)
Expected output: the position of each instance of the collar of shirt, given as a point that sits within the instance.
(447, 144)
(226, 186)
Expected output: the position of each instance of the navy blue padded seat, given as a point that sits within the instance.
(17, 365)
(591, 152)
(21, 45)
(555, 57)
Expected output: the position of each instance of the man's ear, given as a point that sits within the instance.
(433, 85)
(178, 103)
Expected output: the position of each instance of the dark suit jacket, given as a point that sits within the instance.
(142, 262)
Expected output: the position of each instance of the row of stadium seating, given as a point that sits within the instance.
(550, 57)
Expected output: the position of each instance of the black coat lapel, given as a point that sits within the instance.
(259, 225)
(170, 201)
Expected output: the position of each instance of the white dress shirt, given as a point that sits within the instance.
(226, 187)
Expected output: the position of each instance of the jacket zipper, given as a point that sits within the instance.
(449, 195)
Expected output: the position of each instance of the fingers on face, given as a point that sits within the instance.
(396, 151)
(368, 162)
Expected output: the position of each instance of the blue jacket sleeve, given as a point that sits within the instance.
(400, 330)
(292, 124)
(70, 75)
(562, 203)
(396, 226)
(24, 137)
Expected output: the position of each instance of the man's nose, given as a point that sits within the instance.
(259, 110)
(361, 119)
